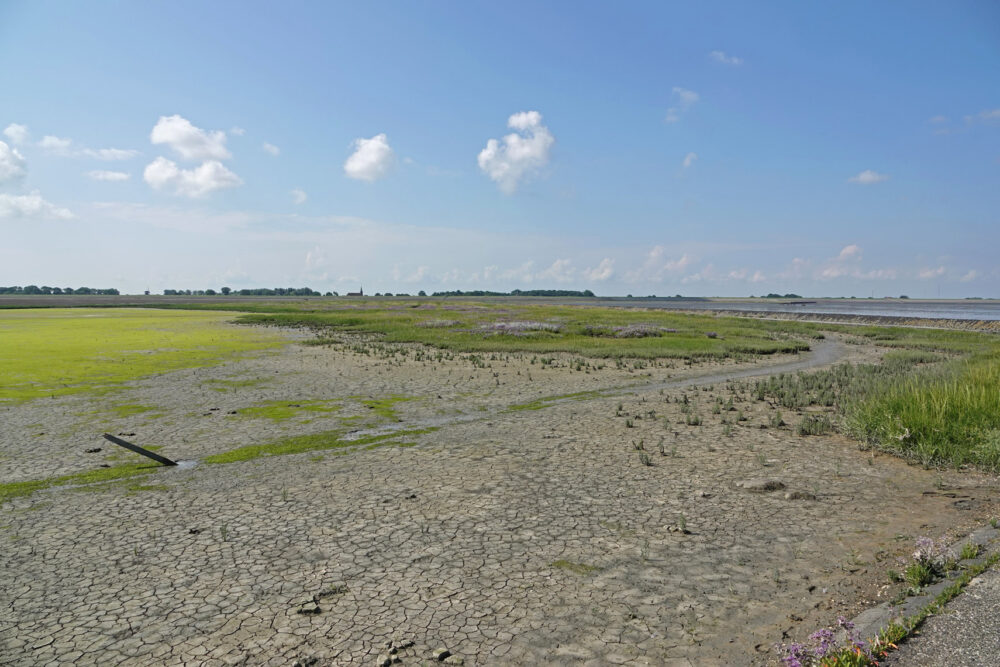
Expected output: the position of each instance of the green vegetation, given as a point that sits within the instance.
(9, 490)
(897, 632)
(934, 400)
(279, 411)
(232, 385)
(576, 568)
(383, 407)
(313, 442)
(950, 415)
(545, 329)
(58, 351)
(547, 401)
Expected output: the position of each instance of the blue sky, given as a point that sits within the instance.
(647, 148)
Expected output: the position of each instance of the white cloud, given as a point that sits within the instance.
(108, 175)
(938, 119)
(847, 265)
(18, 134)
(210, 176)
(987, 116)
(12, 164)
(689, 159)
(970, 276)
(271, 148)
(418, 275)
(315, 259)
(602, 271)
(849, 251)
(685, 99)
(30, 206)
(519, 154)
(237, 131)
(56, 145)
(371, 159)
(868, 177)
(927, 274)
(655, 266)
(64, 147)
(721, 57)
(299, 196)
(561, 271)
(188, 141)
(109, 154)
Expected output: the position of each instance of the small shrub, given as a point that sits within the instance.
(969, 550)
(815, 425)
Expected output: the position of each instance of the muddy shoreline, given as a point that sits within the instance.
(526, 529)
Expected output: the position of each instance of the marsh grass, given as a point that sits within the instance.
(279, 411)
(10, 490)
(59, 351)
(950, 415)
(567, 329)
(314, 442)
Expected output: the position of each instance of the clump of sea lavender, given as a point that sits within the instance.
(824, 649)
(519, 327)
(640, 331)
(437, 324)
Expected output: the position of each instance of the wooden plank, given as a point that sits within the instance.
(139, 450)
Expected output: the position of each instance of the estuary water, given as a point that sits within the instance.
(970, 309)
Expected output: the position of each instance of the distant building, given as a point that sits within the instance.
(360, 292)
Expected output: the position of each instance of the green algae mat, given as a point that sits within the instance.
(53, 352)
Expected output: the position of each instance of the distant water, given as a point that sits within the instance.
(950, 310)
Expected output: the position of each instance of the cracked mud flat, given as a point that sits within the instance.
(529, 536)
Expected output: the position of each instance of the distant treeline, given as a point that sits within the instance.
(45, 289)
(517, 292)
(772, 295)
(259, 291)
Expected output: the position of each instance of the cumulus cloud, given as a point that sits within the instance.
(237, 131)
(188, 141)
(656, 266)
(561, 271)
(683, 100)
(689, 159)
(850, 251)
(970, 276)
(18, 134)
(986, 116)
(56, 145)
(927, 274)
(868, 177)
(721, 57)
(519, 154)
(212, 175)
(847, 265)
(299, 196)
(371, 159)
(109, 154)
(30, 206)
(65, 148)
(12, 164)
(271, 148)
(99, 175)
(602, 271)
